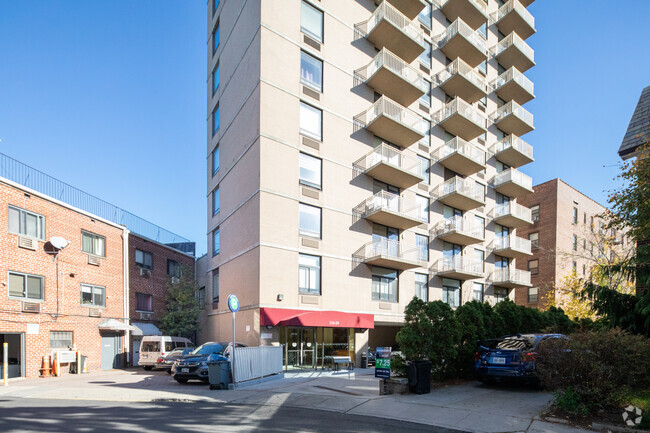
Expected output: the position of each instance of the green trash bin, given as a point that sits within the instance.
(218, 372)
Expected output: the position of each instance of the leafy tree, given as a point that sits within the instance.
(181, 317)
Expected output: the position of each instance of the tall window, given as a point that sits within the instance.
(26, 286)
(532, 295)
(216, 241)
(425, 165)
(60, 340)
(575, 243)
(309, 274)
(425, 57)
(310, 220)
(423, 204)
(425, 15)
(426, 128)
(479, 260)
(451, 292)
(482, 68)
(482, 30)
(534, 240)
(311, 21)
(93, 244)
(215, 201)
(174, 268)
(26, 223)
(215, 285)
(215, 120)
(200, 297)
(422, 286)
(216, 38)
(215, 79)
(533, 266)
(144, 302)
(310, 170)
(143, 259)
(575, 215)
(311, 71)
(425, 99)
(384, 284)
(477, 292)
(93, 295)
(500, 294)
(215, 160)
(534, 212)
(215, 5)
(311, 121)
(422, 244)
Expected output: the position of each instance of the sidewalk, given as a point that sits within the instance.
(467, 407)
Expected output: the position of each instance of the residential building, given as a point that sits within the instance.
(360, 154)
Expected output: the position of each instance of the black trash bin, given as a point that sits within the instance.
(364, 360)
(218, 372)
(419, 376)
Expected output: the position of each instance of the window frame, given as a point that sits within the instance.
(216, 241)
(216, 37)
(25, 290)
(306, 232)
(379, 281)
(216, 201)
(148, 296)
(312, 85)
(94, 236)
(307, 31)
(216, 122)
(92, 288)
(535, 213)
(423, 249)
(216, 73)
(143, 264)
(174, 273)
(215, 287)
(474, 291)
(535, 268)
(421, 286)
(530, 295)
(59, 347)
(316, 136)
(534, 243)
(309, 268)
(306, 182)
(22, 213)
(457, 291)
(425, 213)
(215, 160)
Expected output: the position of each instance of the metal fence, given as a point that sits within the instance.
(257, 362)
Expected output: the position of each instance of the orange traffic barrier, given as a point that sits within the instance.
(45, 367)
(55, 371)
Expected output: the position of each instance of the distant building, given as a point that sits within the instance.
(639, 128)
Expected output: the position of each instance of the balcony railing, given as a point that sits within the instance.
(459, 27)
(462, 147)
(459, 265)
(513, 151)
(405, 168)
(474, 125)
(526, 17)
(460, 68)
(511, 277)
(386, 201)
(513, 75)
(474, 12)
(513, 118)
(412, 128)
(390, 253)
(461, 193)
(513, 209)
(513, 175)
(512, 242)
(410, 8)
(514, 40)
(465, 225)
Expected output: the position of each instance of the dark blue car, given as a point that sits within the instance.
(511, 357)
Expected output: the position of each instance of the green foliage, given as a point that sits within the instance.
(398, 365)
(571, 402)
(181, 317)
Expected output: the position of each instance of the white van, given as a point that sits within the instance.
(153, 347)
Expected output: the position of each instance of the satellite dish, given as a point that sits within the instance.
(59, 243)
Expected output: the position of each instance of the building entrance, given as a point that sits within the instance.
(308, 348)
(15, 353)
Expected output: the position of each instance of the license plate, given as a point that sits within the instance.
(185, 370)
(498, 360)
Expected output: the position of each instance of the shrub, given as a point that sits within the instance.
(571, 402)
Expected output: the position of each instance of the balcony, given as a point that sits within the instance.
(512, 85)
(526, 3)
(458, 268)
(513, 151)
(390, 254)
(392, 122)
(511, 278)
(512, 215)
(460, 156)
(514, 17)
(513, 51)
(459, 40)
(512, 246)
(391, 76)
(459, 79)
(410, 8)
(473, 12)
(512, 118)
(459, 118)
(387, 164)
(463, 194)
(391, 210)
(389, 28)
(459, 230)
(512, 183)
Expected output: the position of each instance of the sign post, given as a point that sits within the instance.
(233, 305)
(382, 362)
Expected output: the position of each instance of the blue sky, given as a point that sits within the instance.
(110, 96)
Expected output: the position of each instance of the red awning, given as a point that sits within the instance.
(326, 319)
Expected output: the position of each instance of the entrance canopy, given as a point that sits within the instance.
(114, 325)
(145, 329)
(326, 319)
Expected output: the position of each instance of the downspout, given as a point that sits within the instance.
(125, 254)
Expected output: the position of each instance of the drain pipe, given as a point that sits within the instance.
(125, 253)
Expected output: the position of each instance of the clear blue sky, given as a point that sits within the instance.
(110, 96)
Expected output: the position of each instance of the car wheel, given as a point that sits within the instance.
(181, 380)
(147, 367)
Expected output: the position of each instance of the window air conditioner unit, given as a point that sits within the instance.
(176, 280)
(145, 316)
(93, 260)
(31, 307)
(145, 273)
(27, 243)
(94, 312)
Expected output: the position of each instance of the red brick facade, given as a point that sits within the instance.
(61, 308)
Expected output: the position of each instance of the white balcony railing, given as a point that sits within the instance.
(511, 275)
(513, 175)
(390, 248)
(513, 142)
(388, 60)
(386, 201)
(518, 42)
(519, 8)
(384, 106)
(458, 106)
(460, 67)
(466, 225)
(512, 242)
(459, 27)
(467, 187)
(480, 5)
(514, 209)
(385, 11)
(459, 264)
(515, 109)
(462, 147)
(513, 74)
(391, 156)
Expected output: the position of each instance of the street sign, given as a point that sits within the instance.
(382, 362)
(233, 303)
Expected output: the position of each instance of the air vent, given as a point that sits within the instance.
(311, 143)
(312, 43)
(31, 307)
(93, 260)
(311, 93)
(27, 243)
(95, 312)
(146, 273)
(146, 316)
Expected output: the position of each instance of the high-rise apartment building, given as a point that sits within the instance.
(361, 153)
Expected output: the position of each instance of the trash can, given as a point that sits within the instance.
(364, 360)
(218, 372)
(419, 376)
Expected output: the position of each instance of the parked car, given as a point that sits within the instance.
(193, 366)
(511, 357)
(153, 347)
(166, 362)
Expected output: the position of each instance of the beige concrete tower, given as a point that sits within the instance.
(361, 153)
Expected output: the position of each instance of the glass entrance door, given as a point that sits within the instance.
(301, 347)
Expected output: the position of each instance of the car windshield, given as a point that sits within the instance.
(208, 349)
(516, 343)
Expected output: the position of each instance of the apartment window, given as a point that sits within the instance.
(311, 71)
(479, 260)
(93, 244)
(500, 294)
(26, 286)
(425, 57)
(60, 340)
(384, 284)
(425, 15)
(575, 243)
(534, 212)
(584, 269)
(215, 79)
(482, 67)
(174, 268)
(311, 21)
(26, 223)
(584, 244)
(592, 224)
(584, 218)
(216, 38)
(423, 204)
(451, 292)
(310, 220)
(426, 127)
(575, 267)
(575, 215)
(216, 241)
(94, 296)
(215, 120)
(422, 286)
(310, 170)
(482, 30)
(425, 99)
(144, 302)
(215, 160)
(533, 267)
(215, 286)
(311, 121)
(215, 201)
(215, 5)
(422, 244)
(532, 295)
(534, 240)
(309, 274)
(479, 225)
(477, 292)
(143, 259)
(425, 167)
(200, 297)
